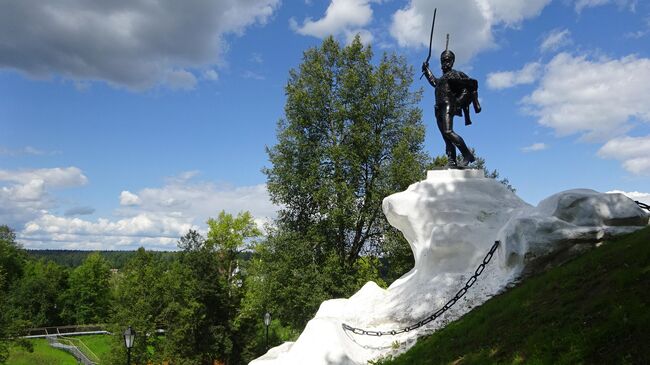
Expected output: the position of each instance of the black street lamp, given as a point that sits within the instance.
(129, 336)
(267, 322)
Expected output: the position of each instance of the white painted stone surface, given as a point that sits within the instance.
(451, 220)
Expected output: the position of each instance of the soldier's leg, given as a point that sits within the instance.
(449, 134)
(450, 149)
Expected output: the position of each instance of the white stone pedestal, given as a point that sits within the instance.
(450, 221)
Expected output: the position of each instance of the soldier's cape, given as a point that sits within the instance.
(466, 91)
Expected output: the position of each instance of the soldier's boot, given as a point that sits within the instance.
(451, 159)
(468, 158)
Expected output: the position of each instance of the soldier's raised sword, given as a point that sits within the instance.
(433, 24)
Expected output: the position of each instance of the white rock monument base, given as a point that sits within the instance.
(451, 220)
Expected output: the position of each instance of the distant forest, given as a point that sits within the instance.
(74, 258)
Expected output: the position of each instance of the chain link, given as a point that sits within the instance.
(643, 205)
(436, 314)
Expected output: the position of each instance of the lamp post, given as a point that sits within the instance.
(129, 336)
(267, 322)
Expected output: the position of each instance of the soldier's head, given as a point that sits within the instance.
(447, 59)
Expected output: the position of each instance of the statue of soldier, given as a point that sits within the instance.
(455, 91)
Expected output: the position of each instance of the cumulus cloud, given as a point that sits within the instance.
(535, 147)
(55, 177)
(347, 17)
(24, 194)
(634, 152)
(506, 79)
(137, 44)
(555, 40)
(595, 98)
(470, 23)
(154, 217)
(128, 198)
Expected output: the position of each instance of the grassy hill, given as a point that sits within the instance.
(592, 310)
(43, 354)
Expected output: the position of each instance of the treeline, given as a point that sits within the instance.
(74, 258)
(195, 296)
(352, 134)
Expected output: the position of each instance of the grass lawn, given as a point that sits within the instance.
(99, 344)
(43, 355)
(592, 310)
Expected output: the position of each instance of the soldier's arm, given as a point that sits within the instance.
(432, 79)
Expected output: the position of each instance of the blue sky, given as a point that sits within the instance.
(126, 123)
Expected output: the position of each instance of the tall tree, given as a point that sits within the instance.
(88, 298)
(38, 294)
(140, 301)
(352, 134)
(12, 262)
(207, 297)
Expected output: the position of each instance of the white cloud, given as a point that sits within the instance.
(180, 80)
(347, 17)
(469, 22)
(535, 147)
(555, 40)
(154, 217)
(595, 98)
(248, 74)
(126, 233)
(24, 193)
(506, 79)
(211, 75)
(55, 177)
(583, 4)
(634, 152)
(137, 43)
(634, 195)
(127, 198)
(257, 58)
(27, 150)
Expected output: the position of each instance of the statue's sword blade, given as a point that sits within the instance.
(433, 24)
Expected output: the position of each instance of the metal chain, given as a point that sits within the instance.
(436, 314)
(643, 205)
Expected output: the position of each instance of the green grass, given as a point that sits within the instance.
(43, 354)
(592, 310)
(99, 344)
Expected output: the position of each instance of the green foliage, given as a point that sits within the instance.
(88, 298)
(12, 262)
(74, 258)
(140, 301)
(352, 135)
(592, 310)
(37, 296)
(207, 285)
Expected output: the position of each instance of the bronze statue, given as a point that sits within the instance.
(455, 91)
